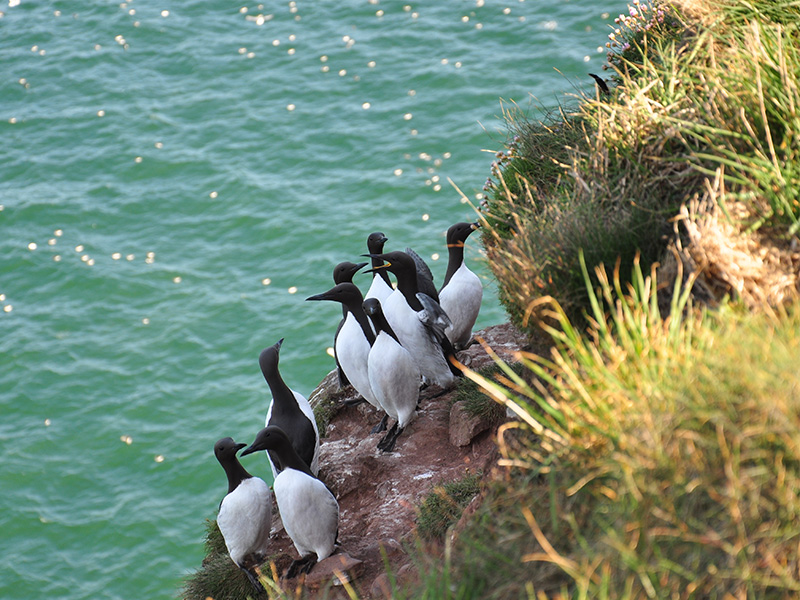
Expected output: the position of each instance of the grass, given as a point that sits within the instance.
(704, 113)
(476, 402)
(443, 506)
(662, 460)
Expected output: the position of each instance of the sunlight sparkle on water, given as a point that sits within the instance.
(266, 281)
(32, 246)
(330, 352)
(292, 290)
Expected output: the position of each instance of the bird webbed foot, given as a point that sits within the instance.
(380, 426)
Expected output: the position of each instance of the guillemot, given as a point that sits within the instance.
(245, 513)
(343, 273)
(354, 340)
(462, 291)
(309, 512)
(419, 322)
(290, 411)
(393, 375)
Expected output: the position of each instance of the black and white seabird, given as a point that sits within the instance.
(354, 339)
(309, 512)
(418, 321)
(393, 375)
(343, 273)
(290, 411)
(245, 513)
(462, 291)
(381, 285)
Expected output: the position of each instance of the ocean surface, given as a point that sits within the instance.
(175, 179)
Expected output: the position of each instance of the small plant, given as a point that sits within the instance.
(444, 505)
(477, 402)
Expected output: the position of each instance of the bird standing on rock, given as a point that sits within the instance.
(309, 512)
(245, 513)
(343, 273)
(354, 340)
(393, 375)
(418, 321)
(462, 292)
(290, 411)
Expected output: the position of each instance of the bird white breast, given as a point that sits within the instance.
(379, 289)
(394, 377)
(309, 512)
(352, 350)
(461, 300)
(245, 518)
(306, 409)
(427, 354)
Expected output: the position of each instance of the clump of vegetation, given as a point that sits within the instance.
(663, 459)
(218, 577)
(477, 403)
(697, 141)
(444, 505)
(324, 410)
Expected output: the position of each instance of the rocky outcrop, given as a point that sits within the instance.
(378, 493)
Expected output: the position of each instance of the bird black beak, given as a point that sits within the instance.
(240, 446)
(361, 266)
(250, 449)
(320, 296)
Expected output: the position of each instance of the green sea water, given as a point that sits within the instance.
(175, 179)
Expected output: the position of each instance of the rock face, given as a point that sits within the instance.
(378, 493)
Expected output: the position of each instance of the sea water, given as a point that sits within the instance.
(175, 179)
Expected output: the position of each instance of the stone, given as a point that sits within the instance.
(465, 427)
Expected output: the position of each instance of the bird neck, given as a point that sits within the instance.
(290, 459)
(382, 325)
(363, 321)
(378, 262)
(455, 260)
(407, 284)
(283, 399)
(236, 473)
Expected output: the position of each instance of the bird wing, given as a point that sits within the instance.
(433, 317)
(424, 276)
